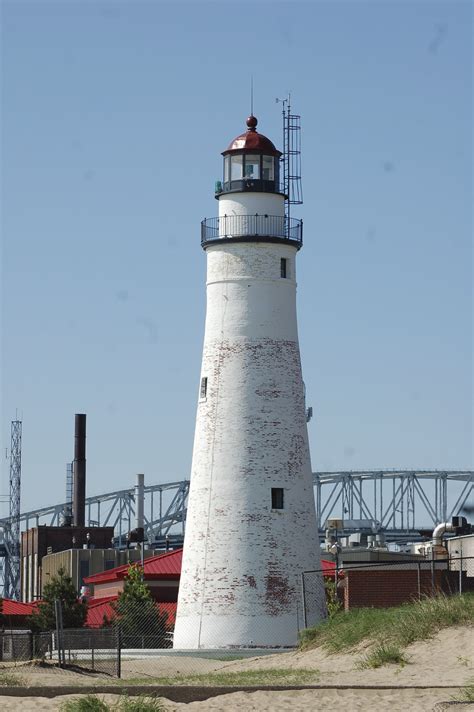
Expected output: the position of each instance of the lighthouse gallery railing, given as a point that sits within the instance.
(254, 226)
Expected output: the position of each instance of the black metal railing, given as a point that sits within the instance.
(273, 227)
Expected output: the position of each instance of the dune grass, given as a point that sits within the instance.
(245, 678)
(86, 703)
(8, 679)
(397, 626)
(466, 694)
(383, 654)
(93, 703)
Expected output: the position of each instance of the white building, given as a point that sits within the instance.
(251, 526)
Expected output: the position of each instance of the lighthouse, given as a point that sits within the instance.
(251, 527)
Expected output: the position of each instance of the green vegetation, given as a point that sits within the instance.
(139, 704)
(88, 703)
(60, 587)
(398, 626)
(92, 703)
(466, 694)
(223, 658)
(8, 679)
(333, 604)
(247, 678)
(383, 654)
(137, 614)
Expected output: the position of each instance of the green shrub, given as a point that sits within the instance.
(332, 602)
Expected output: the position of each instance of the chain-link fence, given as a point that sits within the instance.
(148, 649)
(24, 645)
(95, 650)
(134, 637)
(381, 584)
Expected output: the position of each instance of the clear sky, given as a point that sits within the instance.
(114, 115)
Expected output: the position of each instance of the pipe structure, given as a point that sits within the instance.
(79, 490)
(441, 529)
(139, 501)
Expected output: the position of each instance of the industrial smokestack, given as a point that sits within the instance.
(79, 496)
(139, 501)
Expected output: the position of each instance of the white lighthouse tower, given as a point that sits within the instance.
(251, 526)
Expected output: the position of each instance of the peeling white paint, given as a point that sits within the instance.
(241, 577)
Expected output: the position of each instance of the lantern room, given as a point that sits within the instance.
(251, 163)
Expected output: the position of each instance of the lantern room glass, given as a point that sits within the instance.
(267, 167)
(236, 167)
(250, 171)
(252, 166)
(226, 169)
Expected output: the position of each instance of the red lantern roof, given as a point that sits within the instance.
(251, 141)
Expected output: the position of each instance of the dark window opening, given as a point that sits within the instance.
(277, 497)
(283, 268)
(203, 390)
(83, 570)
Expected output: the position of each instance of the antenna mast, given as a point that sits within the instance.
(11, 586)
(291, 184)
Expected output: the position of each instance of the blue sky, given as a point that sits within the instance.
(114, 115)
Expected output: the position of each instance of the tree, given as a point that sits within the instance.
(61, 588)
(141, 623)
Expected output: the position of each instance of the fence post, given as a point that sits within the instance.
(119, 652)
(59, 631)
(303, 590)
(419, 580)
(460, 573)
(432, 577)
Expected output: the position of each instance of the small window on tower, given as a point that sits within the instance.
(283, 268)
(277, 497)
(203, 389)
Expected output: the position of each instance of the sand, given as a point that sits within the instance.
(445, 660)
(262, 701)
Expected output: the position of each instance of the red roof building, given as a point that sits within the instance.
(101, 610)
(161, 573)
(16, 613)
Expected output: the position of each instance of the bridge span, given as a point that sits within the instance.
(400, 502)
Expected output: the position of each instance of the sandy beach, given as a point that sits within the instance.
(351, 700)
(441, 666)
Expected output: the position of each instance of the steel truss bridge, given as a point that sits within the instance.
(399, 502)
